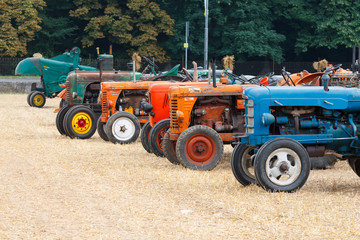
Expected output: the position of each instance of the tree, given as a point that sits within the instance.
(58, 29)
(19, 22)
(241, 28)
(135, 25)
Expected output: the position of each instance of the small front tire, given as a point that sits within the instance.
(156, 137)
(100, 126)
(37, 99)
(242, 164)
(282, 165)
(144, 136)
(199, 148)
(79, 122)
(123, 128)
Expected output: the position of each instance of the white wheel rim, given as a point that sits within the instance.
(123, 129)
(283, 166)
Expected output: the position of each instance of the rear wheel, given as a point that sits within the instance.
(79, 122)
(282, 165)
(144, 136)
(37, 99)
(156, 137)
(123, 128)
(199, 148)
(242, 164)
(169, 148)
(60, 120)
(100, 129)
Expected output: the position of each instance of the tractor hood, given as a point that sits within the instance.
(347, 99)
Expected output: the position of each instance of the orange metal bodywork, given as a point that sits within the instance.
(159, 99)
(111, 91)
(183, 99)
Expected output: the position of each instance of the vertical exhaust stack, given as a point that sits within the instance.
(195, 75)
(110, 49)
(353, 59)
(213, 67)
(134, 68)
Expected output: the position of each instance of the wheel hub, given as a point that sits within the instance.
(199, 148)
(123, 128)
(283, 167)
(81, 123)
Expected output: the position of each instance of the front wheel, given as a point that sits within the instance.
(199, 148)
(100, 126)
(123, 128)
(144, 136)
(79, 122)
(156, 137)
(28, 98)
(169, 148)
(242, 164)
(282, 165)
(355, 165)
(60, 120)
(37, 99)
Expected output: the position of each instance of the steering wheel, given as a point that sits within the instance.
(188, 75)
(286, 77)
(151, 63)
(333, 68)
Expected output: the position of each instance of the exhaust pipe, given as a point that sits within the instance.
(213, 68)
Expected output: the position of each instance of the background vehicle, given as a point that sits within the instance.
(82, 88)
(53, 72)
(122, 111)
(287, 125)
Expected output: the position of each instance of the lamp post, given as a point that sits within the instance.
(206, 37)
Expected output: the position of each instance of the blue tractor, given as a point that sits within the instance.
(285, 126)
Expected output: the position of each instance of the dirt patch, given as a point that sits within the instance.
(53, 187)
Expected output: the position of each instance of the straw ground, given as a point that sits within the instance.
(53, 187)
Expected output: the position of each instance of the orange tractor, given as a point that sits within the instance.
(202, 119)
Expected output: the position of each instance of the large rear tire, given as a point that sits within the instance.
(199, 148)
(355, 165)
(156, 137)
(80, 122)
(282, 165)
(123, 128)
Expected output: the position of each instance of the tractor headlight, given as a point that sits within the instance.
(267, 119)
(74, 95)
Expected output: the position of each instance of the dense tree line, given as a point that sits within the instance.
(250, 30)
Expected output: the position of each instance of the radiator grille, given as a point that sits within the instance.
(173, 109)
(104, 103)
(68, 94)
(250, 116)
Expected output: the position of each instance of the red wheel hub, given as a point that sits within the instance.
(160, 136)
(200, 149)
(81, 123)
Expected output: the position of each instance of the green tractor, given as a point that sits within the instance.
(53, 73)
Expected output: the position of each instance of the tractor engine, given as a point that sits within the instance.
(303, 120)
(219, 113)
(130, 101)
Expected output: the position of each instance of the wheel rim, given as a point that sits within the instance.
(38, 100)
(81, 123)
(283, 166)
(123, 129)
(160, 136)
(200, 149)
(247, 162)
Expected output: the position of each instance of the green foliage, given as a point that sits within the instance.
(18, 23)
(136, 25)
(58, 29)
(240, 28)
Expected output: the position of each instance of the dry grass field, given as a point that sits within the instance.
(53, 187)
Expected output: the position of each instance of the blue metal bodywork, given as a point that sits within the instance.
(329, 118)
